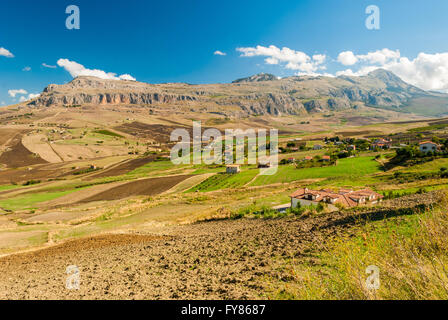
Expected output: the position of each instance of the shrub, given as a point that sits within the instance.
(320, 207)
(31, 182)
(297, 211)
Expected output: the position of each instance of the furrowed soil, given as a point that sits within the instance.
(157, 132)
(123, 168)
(17, 155)
(39, 172)
(228, 259)
(145, 187)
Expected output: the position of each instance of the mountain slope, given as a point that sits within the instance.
(257, 95)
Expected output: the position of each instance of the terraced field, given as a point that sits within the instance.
(226, 181)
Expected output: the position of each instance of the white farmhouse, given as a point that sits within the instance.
(427, 146)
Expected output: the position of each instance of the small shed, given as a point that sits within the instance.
(232, 169)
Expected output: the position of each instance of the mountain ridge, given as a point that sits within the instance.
(259, 94)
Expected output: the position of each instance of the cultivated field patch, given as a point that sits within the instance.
(226, 181)
(144, 187)
(346, 169)
(123, 168)
(16, 155)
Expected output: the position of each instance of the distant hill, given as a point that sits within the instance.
(256, 95)
(257, 78)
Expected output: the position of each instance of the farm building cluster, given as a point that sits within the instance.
(344, 197)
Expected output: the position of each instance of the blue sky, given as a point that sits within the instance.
(175, 41)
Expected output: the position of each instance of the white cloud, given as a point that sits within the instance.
(33, 95)
(30, 97)
(22, 93)
(361, 72)
(347, 58)
(76, 70)
(380, 57)
(426, 71)
(271, 61)
(293, 60)
(315, 74)
(26, 69)
(127, 77)
(48, 66)
(319, 58)
(12, 93)
(6, 53)
(219, 53)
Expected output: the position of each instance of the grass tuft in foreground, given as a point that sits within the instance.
(410, 250)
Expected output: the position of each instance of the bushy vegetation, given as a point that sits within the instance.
(31, 182)
(317, 162)
(85, 171)
(393, 194)
(409, 248)
(411, 155)
(429, 128)
(109, 133)
(265, 212)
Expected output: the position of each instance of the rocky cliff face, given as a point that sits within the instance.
(256, 95)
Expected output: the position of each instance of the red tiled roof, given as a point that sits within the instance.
(347, 197)
(299, 192)
(429, 142)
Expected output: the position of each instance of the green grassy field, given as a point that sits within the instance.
(8, 187)
(109, 133)
(431, 166)
(30, 201)
(226, 181)
(347, 169)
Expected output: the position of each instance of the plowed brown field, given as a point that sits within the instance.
(123, 168)
(145, 187)
(18, 156)
(239, 259)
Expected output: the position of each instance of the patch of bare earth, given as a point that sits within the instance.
(157, 132)
(123, 167)
(16, 155)
(144, 187)
(213, 260)
(37, 172)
